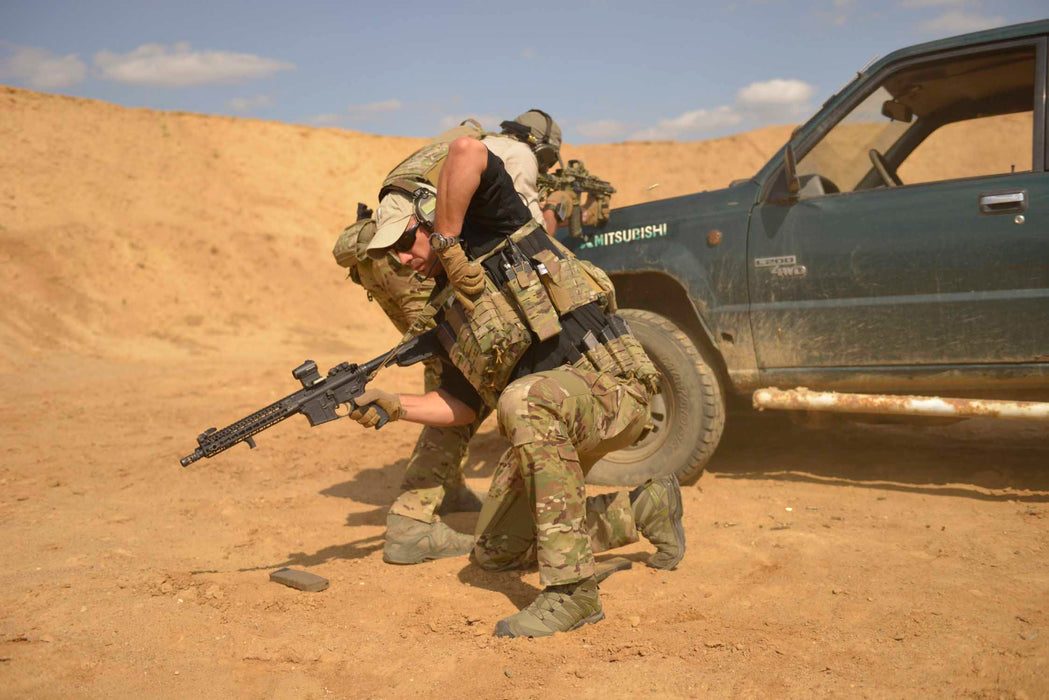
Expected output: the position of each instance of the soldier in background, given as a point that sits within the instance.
(434, 482)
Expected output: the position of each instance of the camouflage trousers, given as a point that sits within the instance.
(436, 464)
(560, 423)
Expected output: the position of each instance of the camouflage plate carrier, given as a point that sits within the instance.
(487, 341)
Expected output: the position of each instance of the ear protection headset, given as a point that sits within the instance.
(424, 204)
(545, 152)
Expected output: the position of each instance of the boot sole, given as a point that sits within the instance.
(396, 557)
(393, 559)
(677, 512)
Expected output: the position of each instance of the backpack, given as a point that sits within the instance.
(352, 245)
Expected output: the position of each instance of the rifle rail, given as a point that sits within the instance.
(215, 441)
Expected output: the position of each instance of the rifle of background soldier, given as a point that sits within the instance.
(577, 178)
(319, 398)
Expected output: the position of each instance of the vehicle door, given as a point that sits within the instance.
(920, 234)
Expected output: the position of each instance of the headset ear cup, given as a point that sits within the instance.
(424, 202)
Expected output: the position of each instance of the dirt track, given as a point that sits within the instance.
(156, 288)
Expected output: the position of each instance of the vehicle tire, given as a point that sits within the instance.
(688, 413)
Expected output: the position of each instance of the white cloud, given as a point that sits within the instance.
(775, 92)
(957, 22)
(777, 101)
(180, 66)
(602, 129)
(370, 110)
(696, 121)
(250, 104)
(39, 68)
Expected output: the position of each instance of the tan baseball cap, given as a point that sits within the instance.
(391, 219)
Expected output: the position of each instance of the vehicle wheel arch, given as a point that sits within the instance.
(662, 294)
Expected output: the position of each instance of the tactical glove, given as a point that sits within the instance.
(596, 211)
(365, 413)
(463, 274)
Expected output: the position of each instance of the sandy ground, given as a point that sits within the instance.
(165, 272)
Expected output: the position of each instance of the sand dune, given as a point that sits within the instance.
(135, 233)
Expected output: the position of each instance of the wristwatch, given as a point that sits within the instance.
(439, 242)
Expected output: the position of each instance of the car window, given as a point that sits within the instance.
(841, 158)
(962, 117)
(992, 145)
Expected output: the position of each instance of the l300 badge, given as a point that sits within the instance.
(782, 266)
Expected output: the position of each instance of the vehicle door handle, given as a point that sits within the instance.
(1003, 202)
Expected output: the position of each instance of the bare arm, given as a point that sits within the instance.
(436, 408)
(459, 179)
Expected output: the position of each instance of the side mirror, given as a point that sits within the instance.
(897, 111)
(790, 169)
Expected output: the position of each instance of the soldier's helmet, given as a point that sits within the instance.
(541, 132)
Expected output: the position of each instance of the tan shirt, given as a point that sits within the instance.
(522, 167)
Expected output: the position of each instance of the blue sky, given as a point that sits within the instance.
(606, 70)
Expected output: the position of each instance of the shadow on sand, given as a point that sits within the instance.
(982, 459)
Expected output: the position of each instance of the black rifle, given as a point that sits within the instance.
(318, 398)
(577, 178)
(363, 211)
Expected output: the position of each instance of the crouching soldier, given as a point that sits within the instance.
(530, 331)
(434, 481)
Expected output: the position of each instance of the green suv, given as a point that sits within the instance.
(898, 244)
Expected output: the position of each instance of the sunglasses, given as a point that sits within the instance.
(424, 203)
(407, 239)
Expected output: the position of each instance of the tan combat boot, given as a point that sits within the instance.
(557, 609)
(657, 511)
(413, 542)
